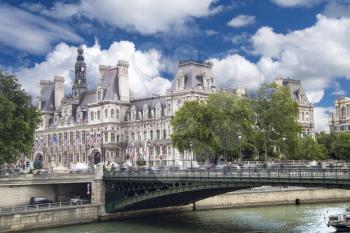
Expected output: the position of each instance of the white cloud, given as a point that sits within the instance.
(321, 117)
(138, 15)
(25, 31)
(337, 8)
(316, 55)
(235, 71)
(241, 21)
(296, 3)
(143, 72)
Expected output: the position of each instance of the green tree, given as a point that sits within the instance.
(191, 124)
(18, 119)
(232, 125)
(276, 115)
(213, 127)
(340, 147)
(309, 149)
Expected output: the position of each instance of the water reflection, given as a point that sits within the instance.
(287, 219)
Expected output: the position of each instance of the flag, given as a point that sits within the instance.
(54, 139)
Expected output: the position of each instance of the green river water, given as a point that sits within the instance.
(285, 219)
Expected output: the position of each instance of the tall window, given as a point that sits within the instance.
(112, 137)
(106, 113)
(98, 115)
(343, 112)
(145, 135)
(106, 137)
(83, 136)
(164, 133)
(158, 134)
(71, 138)
(151, 134)
(112, 113)
(117, 111)
(92, 116)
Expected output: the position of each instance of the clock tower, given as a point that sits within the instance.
(80, 85)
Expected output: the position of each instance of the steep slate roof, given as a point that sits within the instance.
(295, 90)
(151, 102)
(110, 85)
(48, 98)
(193, 72)
(89, 97)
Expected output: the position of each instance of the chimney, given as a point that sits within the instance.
(123, 77)
(58, 90)
(103, 70)
(43, 85)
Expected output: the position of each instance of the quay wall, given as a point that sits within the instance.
(274, 197)
(49, 218)
(19, 195)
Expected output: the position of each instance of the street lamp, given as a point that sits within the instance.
(240, 148)
(149, 155)
(191, 155)
(284, 146)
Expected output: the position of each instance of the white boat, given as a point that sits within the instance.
(339, 221)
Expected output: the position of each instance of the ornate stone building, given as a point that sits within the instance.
(106, 124)
(340, 119)
(306, 109)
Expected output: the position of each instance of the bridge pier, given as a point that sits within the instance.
(194, 206)
(98, 189)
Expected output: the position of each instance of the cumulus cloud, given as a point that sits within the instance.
(296, 3)
(25, 31)
(235, 71)
(143, 72)
(337, 8)
(136, 15)
(321, 117)
(317, 55)
(241, 21)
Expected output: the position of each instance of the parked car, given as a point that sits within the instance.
(39, 200)
(77, 200)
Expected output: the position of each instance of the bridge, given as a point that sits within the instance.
(133, 190)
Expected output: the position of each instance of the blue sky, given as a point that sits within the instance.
(248, 41)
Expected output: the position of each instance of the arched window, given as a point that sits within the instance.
(106, 113)
(92, 116)
(164, 134)
(151, 134)
(112, 113)
(158, 134)
(117, 114)
(98, 114)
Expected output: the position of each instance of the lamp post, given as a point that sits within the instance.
(284, 147)
(191, 155)
(240, 148)
(149, 155)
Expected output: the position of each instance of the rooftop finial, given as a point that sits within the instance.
(80, 53)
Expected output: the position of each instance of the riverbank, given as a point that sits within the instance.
(241, 199)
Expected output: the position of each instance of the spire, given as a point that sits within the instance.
(80, 84)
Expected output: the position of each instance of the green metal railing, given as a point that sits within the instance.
(302, 175)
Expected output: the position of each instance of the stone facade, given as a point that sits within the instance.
(306, 109)
(106, 124)
(340, 119)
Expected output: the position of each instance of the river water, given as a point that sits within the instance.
(307, 218)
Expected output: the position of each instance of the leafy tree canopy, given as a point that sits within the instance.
(18, 119)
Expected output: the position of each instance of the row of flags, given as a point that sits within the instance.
(92, 137)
